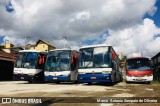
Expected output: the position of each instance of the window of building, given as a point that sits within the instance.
(43, 46)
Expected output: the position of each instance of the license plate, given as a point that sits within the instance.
(93, 77)
(22, 77)
(55, 78)
(139, 78)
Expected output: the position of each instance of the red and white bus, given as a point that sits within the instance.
(138, 69)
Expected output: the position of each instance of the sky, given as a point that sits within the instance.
(130, 26)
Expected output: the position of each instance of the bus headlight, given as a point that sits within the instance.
(32, 74)
(106, 72)
(15, 73)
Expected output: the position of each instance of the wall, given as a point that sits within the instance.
(41, 46)
(6, 70)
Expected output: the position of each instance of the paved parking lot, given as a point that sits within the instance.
(23, 89)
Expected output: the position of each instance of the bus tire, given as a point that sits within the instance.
(148, 82)
(75, 82)
(114, 79)
(127, 82)
(57, 82)
(31, 81)
(121, 78)
(89, 83)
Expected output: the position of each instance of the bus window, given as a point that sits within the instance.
(31, 60)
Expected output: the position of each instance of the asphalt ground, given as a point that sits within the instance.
(81, 94)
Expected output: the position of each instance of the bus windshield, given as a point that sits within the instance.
(58, 61)
(97, 57)
(138, 64)
(26, 60)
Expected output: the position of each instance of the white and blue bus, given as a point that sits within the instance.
(29, 66)
(99, 63)
(61, 65)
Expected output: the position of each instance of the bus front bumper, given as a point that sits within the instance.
(139, 79)
(57, 78)
(94, 78)
(23, 77)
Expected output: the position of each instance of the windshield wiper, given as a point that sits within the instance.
(87, 64)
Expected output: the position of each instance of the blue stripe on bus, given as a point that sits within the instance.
(94, 78)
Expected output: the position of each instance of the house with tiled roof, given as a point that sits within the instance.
(41, 45)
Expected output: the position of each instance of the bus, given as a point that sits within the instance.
(99, 63)
(29, 66)
(138, 69)
(61, 66)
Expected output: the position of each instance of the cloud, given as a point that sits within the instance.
(76, 19)
(136, 39)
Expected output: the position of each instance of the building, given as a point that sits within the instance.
(6, 65)
(40, 45)
(156, 66)
(8, 45)
(13, 50)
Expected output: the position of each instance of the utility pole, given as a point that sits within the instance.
(25, 41)
(141, 54)
(65, 41)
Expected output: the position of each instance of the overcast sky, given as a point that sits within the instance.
(127, 25)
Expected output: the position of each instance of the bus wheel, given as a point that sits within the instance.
(32, 81)
(127, 82)
(89, 83)
(57, 82)
(148, 82)
(75, 82)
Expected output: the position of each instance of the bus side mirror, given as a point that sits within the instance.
(113, 55)
(40, 61)
(72, 59)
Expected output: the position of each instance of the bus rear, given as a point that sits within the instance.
(139, 69)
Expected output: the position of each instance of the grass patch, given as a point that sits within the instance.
(155, 82)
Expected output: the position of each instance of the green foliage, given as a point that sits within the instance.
(124, 58)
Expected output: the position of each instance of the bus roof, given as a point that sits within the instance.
(33, 51)
(138, 58)
(91, 46)
(62, 49)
